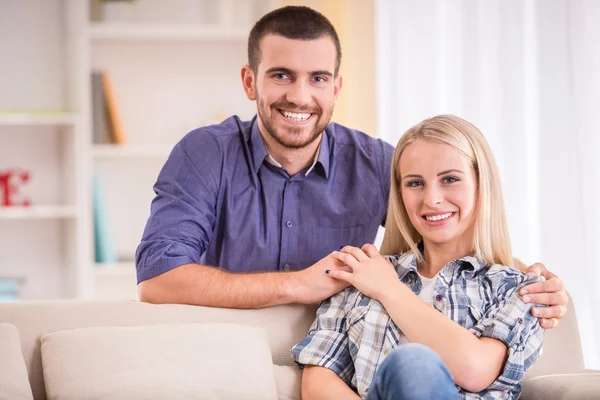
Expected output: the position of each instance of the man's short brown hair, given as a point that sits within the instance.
(292, 22)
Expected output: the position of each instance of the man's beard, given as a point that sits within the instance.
(319, 127)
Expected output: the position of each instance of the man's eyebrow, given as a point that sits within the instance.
(289, 72)
(281, 70)
(326, 73)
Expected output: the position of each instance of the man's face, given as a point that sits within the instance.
(295, 89)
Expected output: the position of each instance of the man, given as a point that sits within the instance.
(266, 201)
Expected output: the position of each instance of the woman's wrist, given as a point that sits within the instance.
(394, 293)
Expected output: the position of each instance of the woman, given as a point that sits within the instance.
(446, 322)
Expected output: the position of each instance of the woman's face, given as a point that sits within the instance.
(439, 191)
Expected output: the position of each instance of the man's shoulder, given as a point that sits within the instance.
(348, 138)
(227, 133)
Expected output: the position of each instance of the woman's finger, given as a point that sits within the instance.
(355, 252)
(341, 275)
(347, 259)
(370, 250)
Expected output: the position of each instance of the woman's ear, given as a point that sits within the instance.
(249, 82)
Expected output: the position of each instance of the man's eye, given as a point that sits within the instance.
(280, 76)
(320, 79)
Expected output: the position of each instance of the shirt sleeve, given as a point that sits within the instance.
(326, 344)
(509, 320)
(182, 215)
(387, 154)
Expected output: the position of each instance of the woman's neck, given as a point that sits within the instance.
(438, 255)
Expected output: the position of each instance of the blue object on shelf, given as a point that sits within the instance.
(104, 247)
(9, 289)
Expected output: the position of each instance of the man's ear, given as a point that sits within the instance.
(337, 86)
(249, 82)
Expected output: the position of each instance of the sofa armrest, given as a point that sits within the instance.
(581, 386)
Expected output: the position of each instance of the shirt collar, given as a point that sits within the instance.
(260, 153)
(407, 262)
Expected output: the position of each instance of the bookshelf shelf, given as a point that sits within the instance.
(120, 269)
(37, 212)
(139, 32)
(108, 151)
(32, 118)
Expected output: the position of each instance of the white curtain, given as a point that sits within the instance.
(527, 73)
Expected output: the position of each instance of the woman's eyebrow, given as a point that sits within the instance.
(450, 170)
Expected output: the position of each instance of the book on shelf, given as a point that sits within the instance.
(104, 248)
(106, 118)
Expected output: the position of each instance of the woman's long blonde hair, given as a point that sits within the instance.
(491, 243)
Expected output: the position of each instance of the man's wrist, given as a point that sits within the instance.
(290, 287)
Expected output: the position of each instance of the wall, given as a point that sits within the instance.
(354, 22)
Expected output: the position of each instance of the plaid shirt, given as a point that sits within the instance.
(352, 334)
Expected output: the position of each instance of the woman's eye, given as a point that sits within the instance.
(414, 184)
(450, 179)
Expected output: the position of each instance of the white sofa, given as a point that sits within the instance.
(82, 350)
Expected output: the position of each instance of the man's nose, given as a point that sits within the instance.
(299, 94)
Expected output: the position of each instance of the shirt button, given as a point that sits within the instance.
(438, 297)
(287, 267)
(288, 224)
(520, 320)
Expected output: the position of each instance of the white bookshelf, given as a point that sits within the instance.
(25, 118)
(135, 32)
(115, 151)
(174, 65)
(38, 212)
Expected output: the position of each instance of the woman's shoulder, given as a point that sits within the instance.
(505, 279)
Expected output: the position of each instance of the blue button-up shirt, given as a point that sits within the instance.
(353, 334)
(220, 203)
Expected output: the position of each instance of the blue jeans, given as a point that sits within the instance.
(412, 372)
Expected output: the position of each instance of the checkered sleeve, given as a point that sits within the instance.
(326, 344)
(509, 319)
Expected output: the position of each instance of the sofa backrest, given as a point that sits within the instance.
(562, 348)
(285, 325)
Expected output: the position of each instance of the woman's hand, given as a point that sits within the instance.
(372, 274)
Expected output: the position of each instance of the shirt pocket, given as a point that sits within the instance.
(325, 240)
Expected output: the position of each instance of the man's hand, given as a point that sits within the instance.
(551, 292)
(312, 285)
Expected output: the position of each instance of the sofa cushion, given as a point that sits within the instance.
(583, 386)
(175, 361)
(288, 380)
(14, 384)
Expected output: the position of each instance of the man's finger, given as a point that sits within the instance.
(549, 299)
(341, 275)
(549, 286)
(549, 312)
(549, 323)
(536, 269)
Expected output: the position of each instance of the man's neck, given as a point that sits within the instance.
(292, 160)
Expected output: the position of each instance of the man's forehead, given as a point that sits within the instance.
(297, 54)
